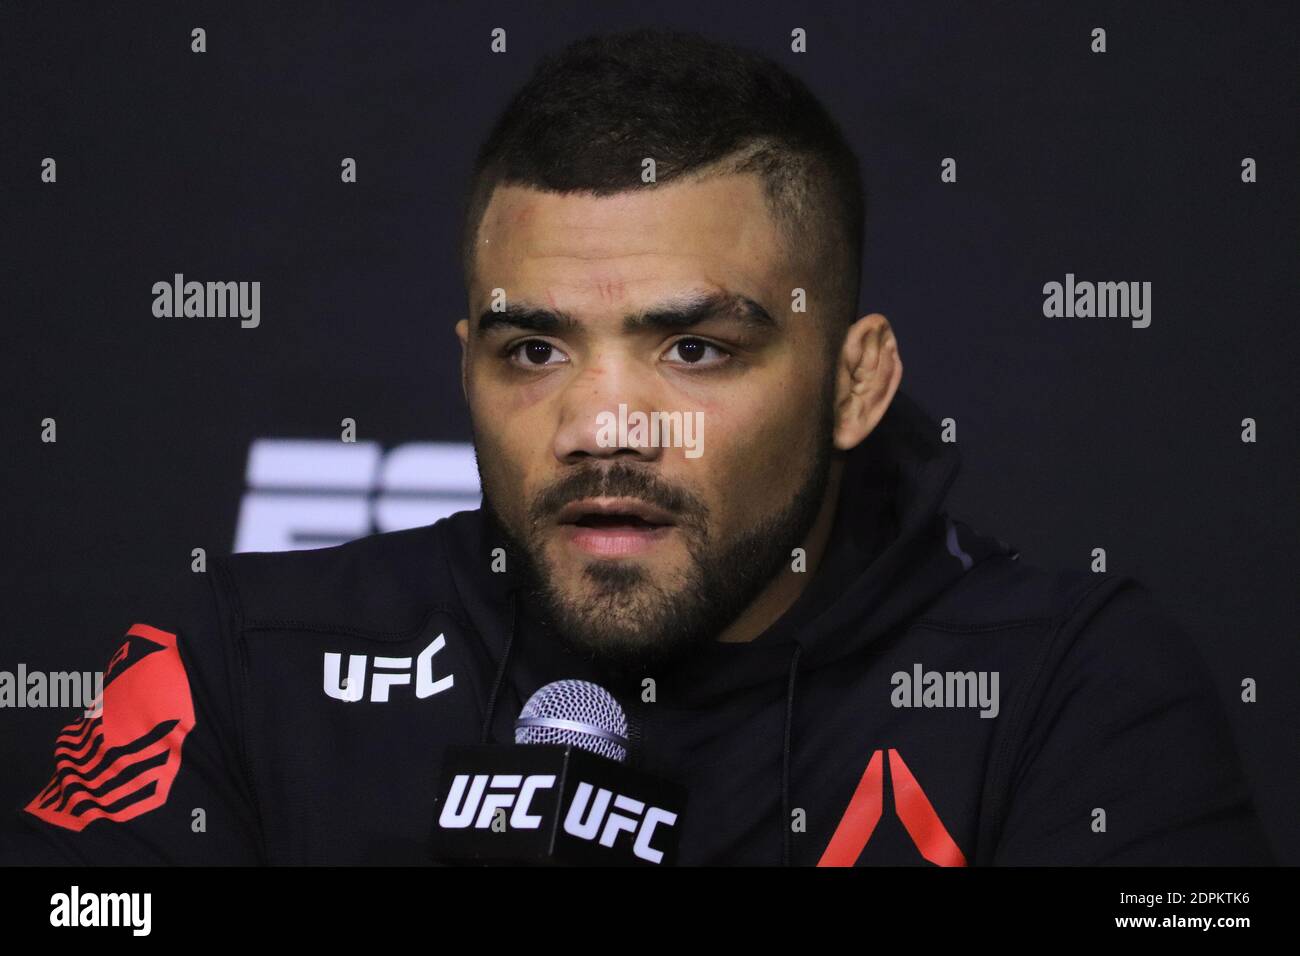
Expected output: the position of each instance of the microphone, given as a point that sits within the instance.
(561, 795)
(575, 712)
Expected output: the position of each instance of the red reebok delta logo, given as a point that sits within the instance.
(910, 803)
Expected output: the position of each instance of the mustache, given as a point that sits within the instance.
(618, 481)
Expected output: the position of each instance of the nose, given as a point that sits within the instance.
(596, 412)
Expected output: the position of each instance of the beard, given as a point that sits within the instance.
(626, 622)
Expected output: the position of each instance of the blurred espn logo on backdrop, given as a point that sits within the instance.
(306, 493)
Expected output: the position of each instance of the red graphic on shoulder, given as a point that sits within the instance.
(910, 803)
(121, 764)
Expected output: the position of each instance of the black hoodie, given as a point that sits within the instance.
(929, 699)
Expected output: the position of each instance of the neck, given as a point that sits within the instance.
(784, 589)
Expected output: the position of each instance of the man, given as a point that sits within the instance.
(836, 671)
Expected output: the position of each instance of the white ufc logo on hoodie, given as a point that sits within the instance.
(387, 672)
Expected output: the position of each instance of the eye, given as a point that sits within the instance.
(534, 353)
(696, 351)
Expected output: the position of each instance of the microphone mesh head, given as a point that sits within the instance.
(577, 713)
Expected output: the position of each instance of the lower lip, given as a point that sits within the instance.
(615, 542)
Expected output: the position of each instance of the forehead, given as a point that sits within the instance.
(713, 231)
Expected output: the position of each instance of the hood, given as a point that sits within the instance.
(892, 551)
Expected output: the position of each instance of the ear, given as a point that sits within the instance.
(867, 374)
(462, 333)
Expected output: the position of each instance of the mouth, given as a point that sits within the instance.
(614, 527)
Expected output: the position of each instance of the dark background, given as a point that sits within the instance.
(1076, 432)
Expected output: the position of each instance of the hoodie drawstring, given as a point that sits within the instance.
(500, 679)
(786, 832)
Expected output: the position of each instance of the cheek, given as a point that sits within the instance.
(500, 463)
(755, 454)
(518, 420)
(531, 396)
(497, 393)
(508, 409)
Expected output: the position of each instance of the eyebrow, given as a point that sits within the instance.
(683, 312)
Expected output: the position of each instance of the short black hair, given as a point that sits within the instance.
(591, 113)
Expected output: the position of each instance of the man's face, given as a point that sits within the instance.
(637, 552)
